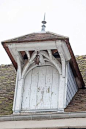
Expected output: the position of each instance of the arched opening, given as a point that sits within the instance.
(40, 91)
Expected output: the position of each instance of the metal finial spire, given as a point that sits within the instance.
(44, 22)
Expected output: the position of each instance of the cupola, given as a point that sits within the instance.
(48, 76)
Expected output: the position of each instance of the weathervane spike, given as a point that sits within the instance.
(43, 22)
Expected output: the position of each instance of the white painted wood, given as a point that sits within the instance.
(65, 51)
(70, 93)
(42, 61)
(28, 64)
(27, 92)
(28, 54)
(64, 48)
(41, 89)
(47, 89)
(19, 87)
(66, 77)
(50, 53)
(71, 86)
(59, 47)
(48, 45)
(55, 89)
(16, 54)
(73, 80)
(55, 62)
(44, 87)
(12, 51)
(34, 85)
(44, 45)
(61, 102)
(35, 65)
(15, 93)
(73, 83)
(19, 67)
(19, 96)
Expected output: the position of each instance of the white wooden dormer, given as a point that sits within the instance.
(45, 80)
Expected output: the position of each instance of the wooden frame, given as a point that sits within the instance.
(44, 56)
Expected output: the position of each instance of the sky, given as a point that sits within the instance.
(65, 17)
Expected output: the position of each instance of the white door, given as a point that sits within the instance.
(41, 89)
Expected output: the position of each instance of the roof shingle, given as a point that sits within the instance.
(36, 37)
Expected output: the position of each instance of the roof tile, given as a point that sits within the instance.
(36, 37)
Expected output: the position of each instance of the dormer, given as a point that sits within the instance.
(48, 76)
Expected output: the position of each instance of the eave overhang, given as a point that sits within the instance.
(73, 62)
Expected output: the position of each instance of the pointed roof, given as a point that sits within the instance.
(40, 36)
(45, 36)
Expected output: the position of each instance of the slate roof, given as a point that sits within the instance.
(7, 85)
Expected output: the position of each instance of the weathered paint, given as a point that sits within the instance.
(71, 85)
(40, 86)
(55, 89)
(41, 89)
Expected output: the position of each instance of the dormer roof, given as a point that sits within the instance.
(44, 36)
(33, 37)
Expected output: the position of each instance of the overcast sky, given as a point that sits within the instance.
(65, 17)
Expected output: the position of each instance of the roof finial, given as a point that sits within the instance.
(44, 22)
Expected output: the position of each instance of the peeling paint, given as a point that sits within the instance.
(52, 93)
(42, 88)
(49, 90)
(38, 89)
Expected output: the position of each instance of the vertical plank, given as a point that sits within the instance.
(55, 86)
(26, 92)
(47, 89)
(40, 88)
(34, 85)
